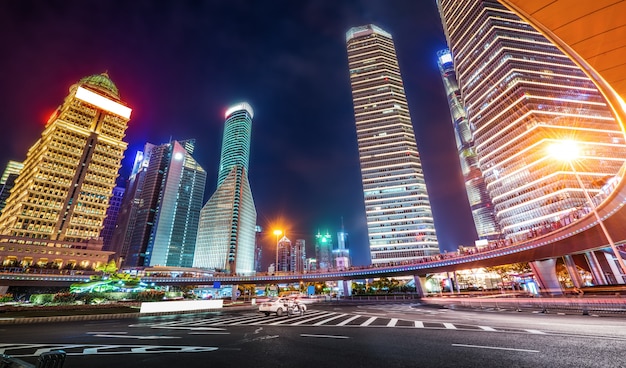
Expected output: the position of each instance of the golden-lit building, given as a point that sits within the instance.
(523, 96)
(60, 198)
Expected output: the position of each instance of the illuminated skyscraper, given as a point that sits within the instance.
(166, 193)
(399, 217)
(523, 95)
(226, 234)
(480, 203)
(63, 191)
(324, 251)
(7, 181)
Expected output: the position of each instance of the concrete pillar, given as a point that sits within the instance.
(545, 274)
(3, 289)
(596, 269)
(458, 287)
(347, 289)
(419, 288)
(570, 265)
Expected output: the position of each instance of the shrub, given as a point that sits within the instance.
(6, 298)
(39, 299)
(150, 296)
(66, 297)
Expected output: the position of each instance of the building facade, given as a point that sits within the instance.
(115, 204)
(324, 251)
(61, 196)
(523, 97)
(226, 234)
(166, 192)
(399, 217)
(479, 200)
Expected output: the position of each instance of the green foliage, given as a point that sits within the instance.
(150, 296)
(66, 297)
(40, 299)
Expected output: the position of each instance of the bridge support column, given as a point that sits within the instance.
(596, 269)
(3, 289)
(570, 265)
(419, 287)
(347, 287)
(545, 274)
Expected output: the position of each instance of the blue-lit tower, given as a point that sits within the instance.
(226, 234)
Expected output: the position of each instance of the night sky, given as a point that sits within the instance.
(180, 64)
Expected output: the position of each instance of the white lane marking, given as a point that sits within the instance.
(369, 321)
(349, 320)
(392, 322)
(138, 337)
(494, 348)
(325, 336)
(329, 319)
(89, 349)
(449, 326)
(107, 332)
(536, 332)
(209, 333)
(190, 328)
(419, 324)
(486, 328)
(311, 319)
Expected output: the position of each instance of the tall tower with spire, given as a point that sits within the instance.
(226, 233)
(63, 191)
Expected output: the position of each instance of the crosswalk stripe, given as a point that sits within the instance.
(329, 319)
(536, 332)
(309, 319)
(487, 328)
(419, 324)
(349, 320)
(449, 326)
(369, 321)
(392, 322)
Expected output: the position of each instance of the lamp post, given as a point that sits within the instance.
(277, 233)
(568, 151)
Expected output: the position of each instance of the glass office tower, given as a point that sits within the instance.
(165, 198)
(523, 97)
(399, 217)
(480, 203)
(226, 234)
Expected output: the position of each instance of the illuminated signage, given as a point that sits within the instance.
(103, 102)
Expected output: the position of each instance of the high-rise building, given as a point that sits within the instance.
(13, 167)
(480, 203)
(285, 255)
(399, 217)
(7, 181)
(167, 198)
(522, 96)
(226, 234)
(341, 255)
(324, 251)
(115, 203)
(63, 191)
(299, 256)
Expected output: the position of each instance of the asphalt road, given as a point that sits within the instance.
(331, 335)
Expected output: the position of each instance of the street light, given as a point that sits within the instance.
(277, 233)
(568, 151)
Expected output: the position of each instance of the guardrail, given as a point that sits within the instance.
(582, 305)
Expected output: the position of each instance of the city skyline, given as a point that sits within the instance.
(304, 162)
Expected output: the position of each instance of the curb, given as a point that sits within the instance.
(105, 316)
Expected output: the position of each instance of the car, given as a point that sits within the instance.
(282, 306)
